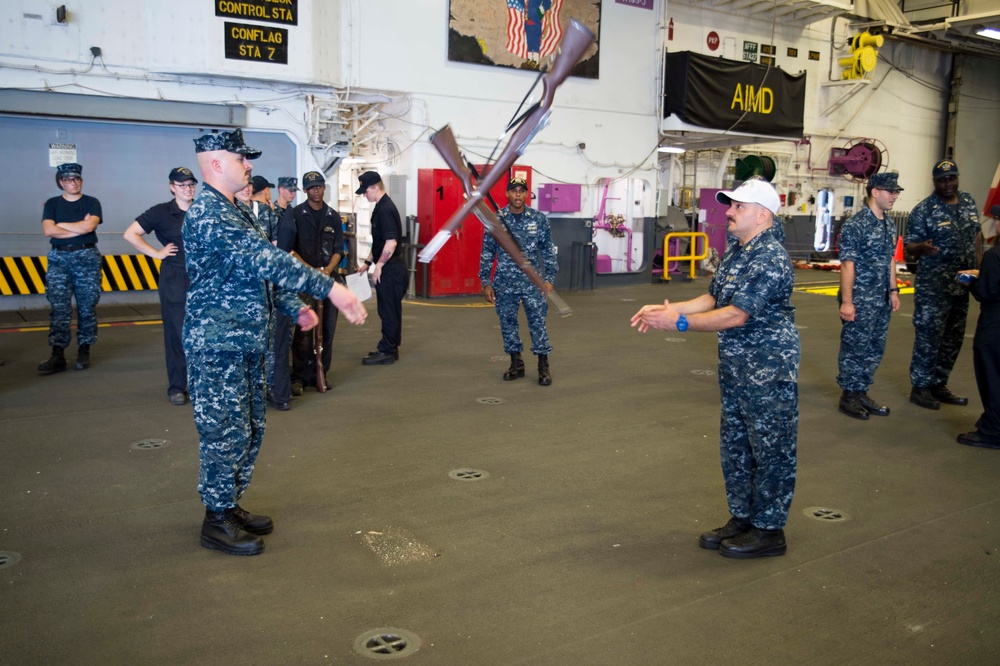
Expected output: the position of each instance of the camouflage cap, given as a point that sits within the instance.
(290, 183)
(229, 141)
(69, 169)
(885, 181)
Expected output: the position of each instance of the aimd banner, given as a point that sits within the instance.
(717, 93)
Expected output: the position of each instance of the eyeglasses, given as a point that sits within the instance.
(72, 179)
(186, 185)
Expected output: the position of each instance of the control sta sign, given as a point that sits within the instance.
(712, 41)
(270, 11)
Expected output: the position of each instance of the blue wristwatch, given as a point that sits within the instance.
(682, 323)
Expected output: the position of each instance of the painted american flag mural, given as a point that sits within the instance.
(521, 34)
(533, 28)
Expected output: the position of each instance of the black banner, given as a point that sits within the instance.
(715, 93)
(270, 11)
(256, 42)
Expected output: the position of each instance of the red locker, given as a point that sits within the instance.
(454, 271)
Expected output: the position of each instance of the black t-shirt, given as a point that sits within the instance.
(166, 220)
(60, 210)
(386, 226)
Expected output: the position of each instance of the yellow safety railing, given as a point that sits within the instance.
(695, 236)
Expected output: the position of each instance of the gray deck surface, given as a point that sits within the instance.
(580, 547)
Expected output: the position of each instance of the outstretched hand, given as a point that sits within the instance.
(661, 317)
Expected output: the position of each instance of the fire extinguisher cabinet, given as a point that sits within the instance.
(454, 271)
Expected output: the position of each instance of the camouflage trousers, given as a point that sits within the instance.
(757, 442)
(227, 394)
(72, 274)
(862, 343)
(939, 327)
(508, 301)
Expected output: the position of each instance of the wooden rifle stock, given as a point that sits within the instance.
(576, 41)
(318, 348)
(444, 141)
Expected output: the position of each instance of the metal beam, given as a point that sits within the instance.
(39, 103)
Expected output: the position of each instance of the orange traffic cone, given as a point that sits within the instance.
(898, 258)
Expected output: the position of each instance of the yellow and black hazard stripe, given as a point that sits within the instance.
(20, 276)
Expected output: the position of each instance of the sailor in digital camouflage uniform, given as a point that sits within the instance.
(230, 265)
(509, 287)
(941, 233)
(287, 187)
(749, 305)
(260, 204)
(74, 268)
(868, 295)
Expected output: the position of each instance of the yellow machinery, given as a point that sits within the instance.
(864, 55)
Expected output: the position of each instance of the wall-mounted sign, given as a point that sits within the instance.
(768, 49)
(814, 55)
(712, 41)
(766, 60)
(61, 153)
(718, 93)
(793, 53)
(269, 11)
(750, 51)
(256, 42)
(645, 4)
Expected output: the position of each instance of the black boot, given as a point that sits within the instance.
(56, 363)
(924, 398)
(83, 358)
(251, 523)
(220, 531)
(734, 528)
(850, 404)
(516, 368)
(944, 395)
(871, 406)
(544, 378)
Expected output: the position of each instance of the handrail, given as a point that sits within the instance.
(694, 235)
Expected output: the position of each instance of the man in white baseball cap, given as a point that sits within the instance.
(748, 305)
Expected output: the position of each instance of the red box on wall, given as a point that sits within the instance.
(454, 271)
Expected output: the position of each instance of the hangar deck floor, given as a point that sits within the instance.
(577, 543)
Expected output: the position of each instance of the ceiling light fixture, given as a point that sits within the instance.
(671, 149)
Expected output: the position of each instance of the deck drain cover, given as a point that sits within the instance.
(149, 444)
(387, 643)
(468, 474)
(499, 359)
(8, 559)
(827, 515)
(800, 328)
(675, 339)
(702, 372)
(489, 401)
(628, 300)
